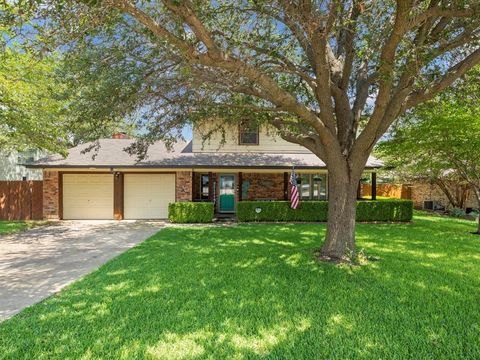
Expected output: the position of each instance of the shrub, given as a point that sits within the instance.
(474, 213)
(190, 212)
(281, 211)
(317, 211)
(457, 212)
(385, 210)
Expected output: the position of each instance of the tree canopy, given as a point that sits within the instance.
(42, 106)
(31, 108)
(329, 75)
(440, 139)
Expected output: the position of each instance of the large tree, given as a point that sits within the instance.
(329, 75)
(440, 140)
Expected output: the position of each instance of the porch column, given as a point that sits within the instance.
(240, 186)
(285, 186)
(118, 185)
(359, 190)
(210, 186)
(374, 186)
(193, 186)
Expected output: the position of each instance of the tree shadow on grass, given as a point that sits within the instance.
(256, 291)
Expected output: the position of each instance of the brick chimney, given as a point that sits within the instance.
(120, 135)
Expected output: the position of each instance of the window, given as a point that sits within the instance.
(204, 186)
(25, 157)
(248, 133)
(313, 186)
(305, 186)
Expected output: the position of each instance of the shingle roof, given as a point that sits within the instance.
(111, 153)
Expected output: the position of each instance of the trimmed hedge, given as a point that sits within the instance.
(281, 211)
(385, 210)
(317, 211)
(190, 212)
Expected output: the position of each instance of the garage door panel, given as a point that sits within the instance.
(88, 196)
(147, 195)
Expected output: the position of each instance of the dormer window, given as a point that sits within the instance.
(248, 133)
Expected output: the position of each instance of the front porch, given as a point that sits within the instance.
(226, 189)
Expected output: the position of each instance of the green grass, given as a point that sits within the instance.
(256, 291)
(7, 227)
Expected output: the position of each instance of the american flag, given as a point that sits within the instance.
(294, 196)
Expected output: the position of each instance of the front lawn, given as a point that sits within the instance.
(7, 227)
(256, 291)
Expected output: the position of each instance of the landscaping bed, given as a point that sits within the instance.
(257, 291)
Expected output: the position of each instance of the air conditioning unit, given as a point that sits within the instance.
(432, 205)
(428, 205)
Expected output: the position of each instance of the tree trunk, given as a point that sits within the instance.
(444, 187)
(477, 194)
(342, 200)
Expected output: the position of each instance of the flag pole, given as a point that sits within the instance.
(294, 196)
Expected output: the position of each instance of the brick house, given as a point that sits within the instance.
(239, 164)
(426, 191)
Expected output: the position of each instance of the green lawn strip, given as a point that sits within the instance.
(256, 291)
(7, 227)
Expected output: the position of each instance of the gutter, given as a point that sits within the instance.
(185, 167)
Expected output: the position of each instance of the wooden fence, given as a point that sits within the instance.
(21, 200)
(388, 190)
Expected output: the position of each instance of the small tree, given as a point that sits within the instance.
(311, 69)
(38, 106)
(441, 139)
(31, 108)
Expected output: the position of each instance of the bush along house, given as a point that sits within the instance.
(198, 179)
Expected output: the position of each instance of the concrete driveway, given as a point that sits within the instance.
(39, 262)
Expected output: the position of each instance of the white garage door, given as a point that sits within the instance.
(87, 196)
(147, 195)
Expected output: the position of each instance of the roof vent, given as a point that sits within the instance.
(120, 135)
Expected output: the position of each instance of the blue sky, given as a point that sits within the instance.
(187, 132)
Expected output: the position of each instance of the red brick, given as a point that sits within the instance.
(51, 194)
(184, 186)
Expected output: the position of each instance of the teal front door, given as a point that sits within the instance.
(227, 193)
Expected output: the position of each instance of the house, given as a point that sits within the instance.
(242, 163)
(431, 196)
(12, 168)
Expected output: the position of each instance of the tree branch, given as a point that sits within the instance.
(451, 75)
(309, 141)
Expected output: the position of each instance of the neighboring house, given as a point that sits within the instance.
(12, 168)
(428, 195)
(245, 164)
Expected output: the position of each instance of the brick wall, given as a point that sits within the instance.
(184, 186)
(51, 193)
(262, 186)
(422, 191)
